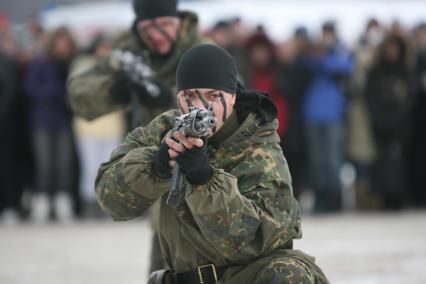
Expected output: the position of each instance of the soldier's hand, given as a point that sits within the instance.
(120, 88)
(191, 154)
(160, 94)
(179, 143)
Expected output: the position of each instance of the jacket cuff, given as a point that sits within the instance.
(139, 175)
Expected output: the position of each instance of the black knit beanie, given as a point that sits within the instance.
(150, 9)
(207, 66)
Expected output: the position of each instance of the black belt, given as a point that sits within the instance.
(209, 274)
(204, 274)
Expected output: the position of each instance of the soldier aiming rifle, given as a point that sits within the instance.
(237, 216)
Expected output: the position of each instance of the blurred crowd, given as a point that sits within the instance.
(362, 106)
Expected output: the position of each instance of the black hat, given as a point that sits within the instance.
(150, 9)
(207, 66)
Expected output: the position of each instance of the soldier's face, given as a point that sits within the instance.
(223, 103)
(159, 34)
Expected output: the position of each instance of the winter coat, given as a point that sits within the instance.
(45, 86)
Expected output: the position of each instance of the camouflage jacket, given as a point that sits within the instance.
(89, 91)
(245, 214)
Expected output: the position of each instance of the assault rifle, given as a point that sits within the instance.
(196, 123)
(140, 73)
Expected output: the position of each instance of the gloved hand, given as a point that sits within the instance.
(161, 162)
(162, 99)
(123, 87)
(195, 164)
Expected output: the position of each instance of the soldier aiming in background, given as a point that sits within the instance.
(158, 38)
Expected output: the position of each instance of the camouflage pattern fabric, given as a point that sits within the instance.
(241, 218)
(89, 91)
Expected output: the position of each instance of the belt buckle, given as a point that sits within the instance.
(200, 274)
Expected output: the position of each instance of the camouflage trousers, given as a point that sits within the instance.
(283, 266)
(285, 270)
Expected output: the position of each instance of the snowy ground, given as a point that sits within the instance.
(351, 248)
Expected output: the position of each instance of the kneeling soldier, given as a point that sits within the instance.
(238, 215)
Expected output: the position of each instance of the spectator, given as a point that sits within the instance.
(227, 34)
(388, 99)
(360, 145)
(293, 78)
(9, 186)
(263, 73)
(324, 109)
(418, 151)
(51, 123)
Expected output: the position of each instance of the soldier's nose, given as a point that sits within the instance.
(198, 104)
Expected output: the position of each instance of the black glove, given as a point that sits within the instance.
(195, 164)
(161, 161)
(123, 87)
(162, 100)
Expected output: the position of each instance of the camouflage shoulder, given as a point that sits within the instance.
(125, 40)
(82, 64)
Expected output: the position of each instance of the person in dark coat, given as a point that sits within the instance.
(388, 100)
(418, 136)
(50, 119)
(293, 79)
(9, 198)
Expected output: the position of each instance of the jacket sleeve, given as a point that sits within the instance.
(246, 225)
(89, 90)
(126, 185)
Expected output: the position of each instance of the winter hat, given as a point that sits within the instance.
(150, 9)
(207, 66)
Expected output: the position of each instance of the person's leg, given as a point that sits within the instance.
(315, 145)
(41, 148)
(41, 143)
(333, 157)
(285, 270)
(64, 172)
(64, 161)
(6, 170)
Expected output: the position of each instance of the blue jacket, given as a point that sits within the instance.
(324, 101)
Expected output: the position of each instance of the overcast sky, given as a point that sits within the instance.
(20, 10)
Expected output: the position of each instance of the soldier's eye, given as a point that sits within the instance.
(213, 96)
(189, 95)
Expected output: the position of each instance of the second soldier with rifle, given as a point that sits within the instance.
(144, 59)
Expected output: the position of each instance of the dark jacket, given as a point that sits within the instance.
(45, 86)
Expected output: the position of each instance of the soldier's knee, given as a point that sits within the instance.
(285, 270)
